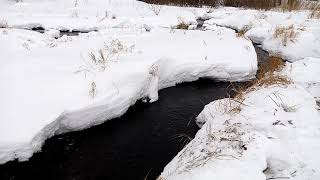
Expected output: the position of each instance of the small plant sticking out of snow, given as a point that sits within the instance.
(276, 98)
(99, 60)
(317, 103)
(26, 46)
(243, 31)
(285, 34)
(182, 24)
(3, 24)
(75, 13)
(226, 140)
(5, 32)
(155, 8)
(93, 90)
(184, 139)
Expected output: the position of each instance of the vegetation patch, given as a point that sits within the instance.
(285, 34)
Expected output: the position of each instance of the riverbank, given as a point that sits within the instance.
(131, 50)
(273, 131)
(67, 84)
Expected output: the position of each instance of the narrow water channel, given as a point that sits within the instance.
(135, 146)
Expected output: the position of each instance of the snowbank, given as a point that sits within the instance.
(305, 73)
(275, 134)
(51, 86)
(292, 35)
(84, 15)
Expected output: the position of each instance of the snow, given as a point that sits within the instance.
(264, 140)
(262, 27)
(51, 86)
(305, 73)
(88, 15)
(274, 133)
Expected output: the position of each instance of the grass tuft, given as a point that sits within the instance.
(285, 34)
(182, 24)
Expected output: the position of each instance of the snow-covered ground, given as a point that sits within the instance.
(291, 35)
(51, 86)
(275, 132)
(86, 15)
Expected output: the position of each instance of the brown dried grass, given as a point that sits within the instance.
(285, 34)
(315, 11)
(182, 25)
(267, 75)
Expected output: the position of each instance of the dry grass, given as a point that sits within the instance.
(99, 60)
(267, 75)
(290, 5)
(93, 90)
(284, 5)
(182, 24)
(285, 34)
(256, 4)
(294, 5)
(315, 11)
(243, 31)
(3, 24)
(155, 8)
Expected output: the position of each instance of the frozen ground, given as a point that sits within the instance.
(276, 133)
(52, 86)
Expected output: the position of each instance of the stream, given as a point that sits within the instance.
(138, 145)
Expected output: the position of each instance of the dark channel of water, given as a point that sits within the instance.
(140, 142)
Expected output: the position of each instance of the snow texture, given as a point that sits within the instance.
(299, 39)
(54, 84)
(274, 133)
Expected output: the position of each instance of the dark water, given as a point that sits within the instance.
(62, 32)
(141, 142)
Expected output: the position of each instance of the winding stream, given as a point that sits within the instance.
(137, 145)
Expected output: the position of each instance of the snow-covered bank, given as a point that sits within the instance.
(291, 35)
(84, 15)
(53, 85)
(275, 134)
